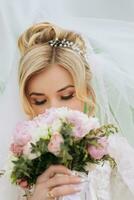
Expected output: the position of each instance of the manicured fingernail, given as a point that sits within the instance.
(69, 171)
(73, 173)
(82, 180)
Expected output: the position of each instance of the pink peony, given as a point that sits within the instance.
(55, 143)
(99, 152)
(16, 149)
(21, 135)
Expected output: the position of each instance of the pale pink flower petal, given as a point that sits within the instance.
(99, 152)
(16, 149)
(21, 135)
(22, 183)
(55, 143)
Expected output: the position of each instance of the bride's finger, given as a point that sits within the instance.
(62, 180)
(51, 171)
(65, 190)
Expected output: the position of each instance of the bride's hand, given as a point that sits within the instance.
(56, 181)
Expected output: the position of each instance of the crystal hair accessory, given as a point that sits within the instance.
(67, 44)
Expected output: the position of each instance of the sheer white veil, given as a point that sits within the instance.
(110, 55)
(10, 109)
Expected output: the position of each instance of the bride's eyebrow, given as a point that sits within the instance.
(36, 93)
(64, 88)
(41, 94)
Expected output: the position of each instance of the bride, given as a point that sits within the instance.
(60, 67)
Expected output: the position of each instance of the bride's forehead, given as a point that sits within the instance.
(53, 77)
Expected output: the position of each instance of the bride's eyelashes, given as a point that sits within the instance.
(38, 103)
(42, 102)
(66, 97)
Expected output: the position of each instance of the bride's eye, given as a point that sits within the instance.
(66, 97)
(40, 102)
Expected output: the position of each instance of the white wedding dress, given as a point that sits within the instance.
(110, 54)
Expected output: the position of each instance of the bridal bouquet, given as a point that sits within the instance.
(58, 136)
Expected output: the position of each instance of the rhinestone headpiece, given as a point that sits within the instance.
(67, 44)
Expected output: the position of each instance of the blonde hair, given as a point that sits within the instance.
(37, 54)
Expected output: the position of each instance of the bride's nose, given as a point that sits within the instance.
(55, 103)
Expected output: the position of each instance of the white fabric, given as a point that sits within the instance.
(123, 154)
(111, 52)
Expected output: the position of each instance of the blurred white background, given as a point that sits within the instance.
(112, 9)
